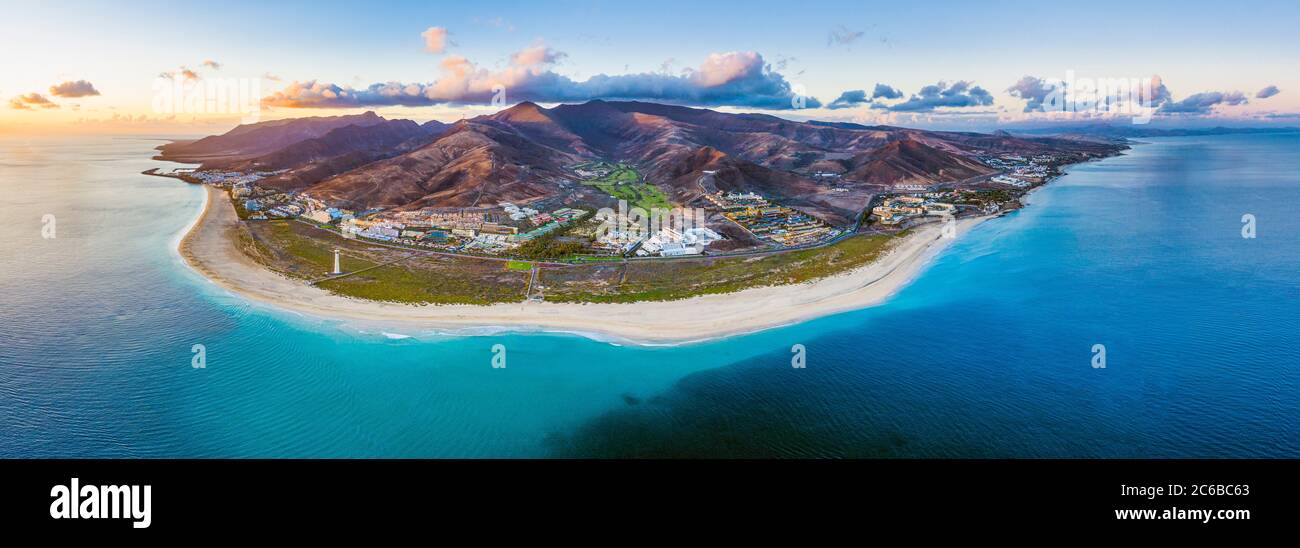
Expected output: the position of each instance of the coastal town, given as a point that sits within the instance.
(503, 229)
(904, 205)
(506, 229)
(520, 217)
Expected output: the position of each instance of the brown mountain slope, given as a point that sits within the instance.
(251, 140)
(471, 165)
(911, 161)
(342, 149)
(523, 152)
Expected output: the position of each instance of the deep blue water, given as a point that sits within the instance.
(987, 354)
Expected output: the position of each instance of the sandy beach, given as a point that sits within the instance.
(208, 249)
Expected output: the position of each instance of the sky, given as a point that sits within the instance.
(98, 67)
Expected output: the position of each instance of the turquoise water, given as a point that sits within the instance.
(987, 354)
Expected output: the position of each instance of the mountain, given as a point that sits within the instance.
(251, 140)
(471, 164)
(339, 151)
(524, 153)
(909, 161)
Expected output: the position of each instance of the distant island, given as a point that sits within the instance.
(642, 221)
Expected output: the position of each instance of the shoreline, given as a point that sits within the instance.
(207, 249)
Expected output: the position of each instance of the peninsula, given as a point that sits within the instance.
(635, 221)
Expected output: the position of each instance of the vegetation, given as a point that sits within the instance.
(435, 280)
(406, 276)
(984, 197)
(550, 246)
(240, 210)
(297, 250)
(642, 195)
(624, 182)
(678, 279)
(614, 174)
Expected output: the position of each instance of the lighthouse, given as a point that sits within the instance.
(336, 262)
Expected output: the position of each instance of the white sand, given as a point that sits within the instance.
(209, 250)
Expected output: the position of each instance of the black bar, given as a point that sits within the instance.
(395, 495)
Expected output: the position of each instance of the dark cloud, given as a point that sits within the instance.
(1203, 103)
(1048, 95)
(843, 36)
(1035, 91)
(211, 64)
(79, 88)
(1041, 94)
(883, 91)
(849, 99)
(960, 94)
(1267, 92)
(723, 79)
(855, 97)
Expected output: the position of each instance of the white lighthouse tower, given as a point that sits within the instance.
(336, 262)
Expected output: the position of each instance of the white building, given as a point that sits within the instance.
(678, 249)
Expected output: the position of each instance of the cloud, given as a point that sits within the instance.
(843, 36)
(723, 79)
(271, 77)
(211, 64)
(1056, 95)
(182, 72)
(79, 88)
(1049, 95)
(1203, 103)
(496, 22)
(883, 91)
(960, 94)
(536, 56)
(31, 101)
(1159, 93)
(849, 99)
(1035, 91)
(435, 39)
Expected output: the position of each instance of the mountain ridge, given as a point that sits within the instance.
(525, 152)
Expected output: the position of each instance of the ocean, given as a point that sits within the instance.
(989, 353)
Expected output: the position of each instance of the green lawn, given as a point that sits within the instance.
(640, 195)
(519, 265)
(624, 182)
